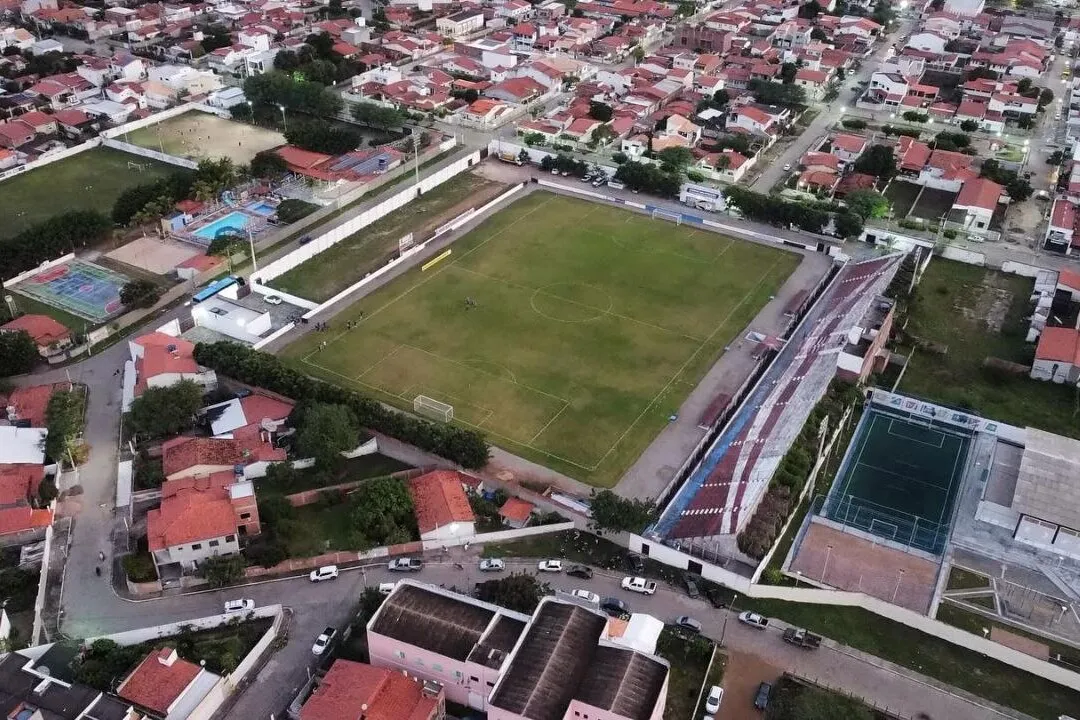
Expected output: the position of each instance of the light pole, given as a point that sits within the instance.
(899, 577)
(731, 609)
(284, 122)
(251, 111)
(416, 157)
(825, 567)
(251, 245)
(1064, 609)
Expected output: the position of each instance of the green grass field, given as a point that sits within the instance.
(335, 269)
(590, 326)
(91, 180)
(978, 313)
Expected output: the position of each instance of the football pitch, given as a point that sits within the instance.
(566, 331)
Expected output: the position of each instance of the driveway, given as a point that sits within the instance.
(744, 672)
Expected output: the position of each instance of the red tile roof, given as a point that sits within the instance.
(31, 402)
(1059, 344)
(165, 354)
(42, 328)
(438, 500)
(516, 510)
(192, 509)
(159, 681)
(980, 193)
(1069, 278)
(17, 519)
(849, 143)
(19, 482)
(350, 687)
(182, 453)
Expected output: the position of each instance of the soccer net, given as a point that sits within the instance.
(433, 408)
(667, 215)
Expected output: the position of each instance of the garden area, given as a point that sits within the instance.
(283, 479)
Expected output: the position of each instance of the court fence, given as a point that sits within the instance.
(902, 528)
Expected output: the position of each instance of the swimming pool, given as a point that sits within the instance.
(235, 220)
(262, 208)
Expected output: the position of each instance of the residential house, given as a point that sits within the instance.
(815, 82)
(519, 90)
(15, 133)
(51, 337)
(200, 518)
(25, 405)
(250, 413)
(356, 690)
(74, 123)
(847, 148)
(249, 451)
(461, 23)
(163, 684)
(516, 513)
(1057, 356)
(1061, 230)
(975, 205)
(442, 509)
(161, 360)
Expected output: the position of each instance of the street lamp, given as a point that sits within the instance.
(251, 111)
(825, 567)
(731, 609)
(284, 122)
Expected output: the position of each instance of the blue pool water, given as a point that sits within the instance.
(262, 208)
(235, 220)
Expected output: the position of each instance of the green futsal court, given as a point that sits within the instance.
(900, 480)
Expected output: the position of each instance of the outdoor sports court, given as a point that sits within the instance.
(900, 479)
(197, 135)
(566, 331)
(79, 287)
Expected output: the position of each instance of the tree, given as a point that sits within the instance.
(981, 73)
(774, 93)
(534, 139)
(63, 233)
(853, 123)
(1046, 96)
(600, 111)
(787, 72)
(164, 411)
(867, 204)
(139, 294)
(810, 10)
(650, 178)
(377, 116)
(222, 570)
(819, 34)
(215, 37)
(676, 157)
(268, 164)
(878, 160)
(721, 97)
(105, 663)
(685, 9)
(213, 177)
(18, 353)
(609, 511)
(64, 420)
(1025, 122)
(290, 210)
(969, 126)
(382, 513)
(227, 245)
(848, 225)
(271, 89)
(321, 136)
(638, 53)
(1023, 85)
(1018, 189)
(326, 432)
(519, 591)
(915, 116)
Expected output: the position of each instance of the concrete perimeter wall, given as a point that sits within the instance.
(54, 157)
(40, 268)
(332, 237)
(151, 154)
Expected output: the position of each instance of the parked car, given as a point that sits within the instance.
(586, 595)
(802, 638)
(580, 571)
(492, 565)
(614, 607)
(716, 597)
(386, 588)
(327, 572)
(761, 699)
(688, 623)
(754, 620)
(715, 697)
(235, 606)
(306, 239)
(639, 585)
(550, 566)
(405, 565)
(787, 167)
(323, 641)
(692, 588)
(636, 563)
(272, 299)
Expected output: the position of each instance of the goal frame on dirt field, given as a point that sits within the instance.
(431, 407)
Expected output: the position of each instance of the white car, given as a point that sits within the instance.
(639, 585)
(273, 299)
(550, 566)
(712, 702)
(323, 641)
(327, 572)
(386, 588)
(754, 620)
(586, 595)
(492, 565)
(236, 606)
(787, 168)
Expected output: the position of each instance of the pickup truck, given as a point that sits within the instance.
(802, 637)
(405, 565)
(639, 585)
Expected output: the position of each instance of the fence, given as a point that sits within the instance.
(159, 117)
(50, 158)
(40, 268)
(952, 252)
(307, 497)
(499, 535)
(43, 577)
(151, 154)
(327, 240)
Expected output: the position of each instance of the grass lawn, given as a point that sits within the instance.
(974, 623)
(588, 328)
(902, 196)
(91, 180)
(319, 528)
(979, 313)
(335, 269)
(961, 579)
(689, 659)
(358, 468)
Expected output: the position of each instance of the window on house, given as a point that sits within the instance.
(245, 516)
(473, 678)
(436, 667)
(214, 543)
(230, 538)
(196, 546)
(420, 662)
(400, 655)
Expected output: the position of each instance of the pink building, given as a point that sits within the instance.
(501, 662)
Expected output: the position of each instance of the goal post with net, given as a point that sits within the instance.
(424, 405)
(667, 215)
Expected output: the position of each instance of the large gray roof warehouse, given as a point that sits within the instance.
(1048, 487)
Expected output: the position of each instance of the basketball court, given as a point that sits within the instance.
(900, 479)
(155, 255)
(78, 287)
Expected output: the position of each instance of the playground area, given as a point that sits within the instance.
(156, 255)
(197, 135)
(90, 180)
(78, 287)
